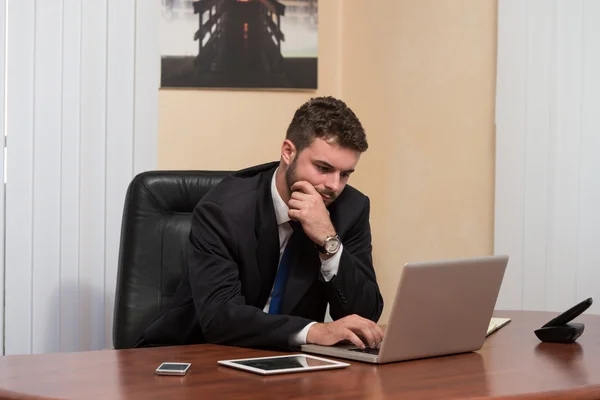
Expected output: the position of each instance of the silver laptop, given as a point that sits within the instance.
(440, 308)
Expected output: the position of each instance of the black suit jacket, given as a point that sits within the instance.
(234, 259)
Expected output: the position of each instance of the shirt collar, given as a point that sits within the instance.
(281, 209)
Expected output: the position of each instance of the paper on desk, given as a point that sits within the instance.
(495, 324)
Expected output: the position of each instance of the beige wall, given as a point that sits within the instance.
(422, 79)
(421, 76)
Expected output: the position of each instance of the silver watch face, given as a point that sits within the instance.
(332, 245)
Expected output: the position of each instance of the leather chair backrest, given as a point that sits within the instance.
(154, 245)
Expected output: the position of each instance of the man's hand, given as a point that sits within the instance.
(307, 207)
(352, 328)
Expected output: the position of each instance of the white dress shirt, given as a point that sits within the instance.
(329, 267)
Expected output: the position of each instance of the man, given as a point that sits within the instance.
(272, 245)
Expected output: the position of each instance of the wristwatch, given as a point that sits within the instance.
(330, 246)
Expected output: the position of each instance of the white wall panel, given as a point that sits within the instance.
(2, 143)
(70, 176)
(19, 185)
(119, 136)
(511, 125)
(563, 263)
(92, 209)
(147, 82)
(540, 53)
(46, 174)
(588, 277)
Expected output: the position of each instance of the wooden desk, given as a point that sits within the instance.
(512, 362)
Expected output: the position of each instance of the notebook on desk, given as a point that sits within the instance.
(440, 308)
(495, 324)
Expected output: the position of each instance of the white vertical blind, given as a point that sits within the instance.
(45, 267)
(92, 195)
(82, 106)
(2, 144)
(119, 134)
(589, 208)
(147, 80)
(70, 178)
(18, 318)
(547, 145)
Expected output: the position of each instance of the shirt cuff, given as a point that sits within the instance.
(300, 338)
(329, 267)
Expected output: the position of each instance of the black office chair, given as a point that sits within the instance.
(154, 241)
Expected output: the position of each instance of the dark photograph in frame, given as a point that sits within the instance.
(244, 44)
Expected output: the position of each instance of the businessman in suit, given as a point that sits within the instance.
(273, 244)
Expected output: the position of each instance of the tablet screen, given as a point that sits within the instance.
(270, 364)
(283, 364)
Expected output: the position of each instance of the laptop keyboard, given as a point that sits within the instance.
(367, 350)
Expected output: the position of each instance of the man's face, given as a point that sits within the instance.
(325, 166)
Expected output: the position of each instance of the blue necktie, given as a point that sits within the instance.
(282, 274)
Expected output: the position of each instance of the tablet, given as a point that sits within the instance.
(283, 364)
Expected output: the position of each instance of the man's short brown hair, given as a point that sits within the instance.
(326, 118)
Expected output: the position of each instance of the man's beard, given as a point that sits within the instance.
(290, 179)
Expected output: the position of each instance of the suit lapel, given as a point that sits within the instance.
(267, 235)
(304, 268)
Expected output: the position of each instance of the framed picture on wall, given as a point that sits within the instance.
(269, 44)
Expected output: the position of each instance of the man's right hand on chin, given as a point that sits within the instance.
(352, 328)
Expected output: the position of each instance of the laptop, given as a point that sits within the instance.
(441, 308)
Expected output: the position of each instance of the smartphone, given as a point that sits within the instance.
(173, 368)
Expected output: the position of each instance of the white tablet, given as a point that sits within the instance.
(283, 364)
